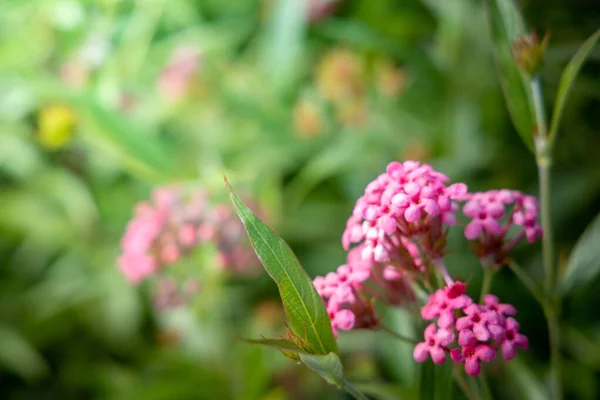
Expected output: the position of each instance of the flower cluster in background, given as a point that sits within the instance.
(398, 231)
(174, 223)
(342, 81)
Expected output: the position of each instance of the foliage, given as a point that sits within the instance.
(104, 101)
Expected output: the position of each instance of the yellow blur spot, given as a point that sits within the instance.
(56, 123)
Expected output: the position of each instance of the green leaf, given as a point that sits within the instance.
(568, 78)
(443, 382)
(306, 312)
(284, 40)
(525, 384)
(328, 366)
(506, 24)
(584, 262)
(19, 356)
(123, 138)
(280, 344)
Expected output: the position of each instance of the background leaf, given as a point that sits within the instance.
(18, 356)
(568, 78)
(506, 24)
(584, 262)
(305, 310)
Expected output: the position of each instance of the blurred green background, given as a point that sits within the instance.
(101, 101)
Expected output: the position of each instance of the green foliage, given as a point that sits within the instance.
(72, 327)
(584, 262)
(306, 312)
(567, 79)
(506, 25)
(328, 366)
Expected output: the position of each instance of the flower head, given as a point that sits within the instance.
(172, 224)
(409, 203)
(493, 214)
(480, 329)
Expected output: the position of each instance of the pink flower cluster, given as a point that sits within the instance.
(349, 292)
(172, 224)
(493, 214)
(473, 337)
(175, 79)
(409, 201)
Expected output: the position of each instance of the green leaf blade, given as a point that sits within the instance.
(584, 262)
(328, 366)
(280, 344)
(568, 78)
(506, 24)
(306, 312)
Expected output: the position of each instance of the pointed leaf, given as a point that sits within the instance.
(506, 24)
(568, 78)
(584, 262)
(306, 312)
(328, 366)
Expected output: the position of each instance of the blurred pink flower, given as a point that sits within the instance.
(174, 81)
(172, 224)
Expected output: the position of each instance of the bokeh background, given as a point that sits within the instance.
(102, 101)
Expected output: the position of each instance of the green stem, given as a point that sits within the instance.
(527, 282)
(458, 378)
(551, 306)
(538, 107)
(354, 392)
(488, 275)
(483, 382)
(552, 318)
(397, 335)
(547, 242)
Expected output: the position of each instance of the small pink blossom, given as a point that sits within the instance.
(443, 303)
(434, 345)
(492, 214)
(480, 329)
(512, 339)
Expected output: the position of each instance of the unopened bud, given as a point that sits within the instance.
(528, 52)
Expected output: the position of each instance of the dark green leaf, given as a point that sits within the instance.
(568, 78)
(584, 262)
(328, 366)
(306, 312)
(506, 24)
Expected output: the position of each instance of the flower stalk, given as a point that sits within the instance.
(544, 162)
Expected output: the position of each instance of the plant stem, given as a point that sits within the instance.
(554, 335)
(547, 242)
(483, 382)
(527, 282)
(544, 161)
(354, 392)
(538, 107)
(552, 304)
(458, 378)
(488, 274)
(397, 335)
